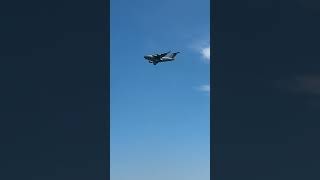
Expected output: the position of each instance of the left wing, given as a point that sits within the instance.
(158, 56)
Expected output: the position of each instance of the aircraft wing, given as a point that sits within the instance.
(160, 55)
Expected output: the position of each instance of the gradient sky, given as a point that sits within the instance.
(160, 114)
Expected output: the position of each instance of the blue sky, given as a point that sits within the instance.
(160, 114)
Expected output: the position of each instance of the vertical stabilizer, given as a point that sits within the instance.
(174, 54)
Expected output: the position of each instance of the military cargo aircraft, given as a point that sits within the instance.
(157, 58)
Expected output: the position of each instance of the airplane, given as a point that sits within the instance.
(156, 58)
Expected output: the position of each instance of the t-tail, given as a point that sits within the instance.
(173, 55)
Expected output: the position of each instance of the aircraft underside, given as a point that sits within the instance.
(156, 62)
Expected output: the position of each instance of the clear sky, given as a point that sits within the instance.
(160, 114)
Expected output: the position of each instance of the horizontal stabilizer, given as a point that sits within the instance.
(174, 54)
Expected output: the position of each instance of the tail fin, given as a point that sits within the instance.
(174, 54)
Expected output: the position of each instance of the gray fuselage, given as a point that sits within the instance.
(152, 58)
(155, 59)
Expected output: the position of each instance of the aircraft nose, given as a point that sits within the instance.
(146, 57)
